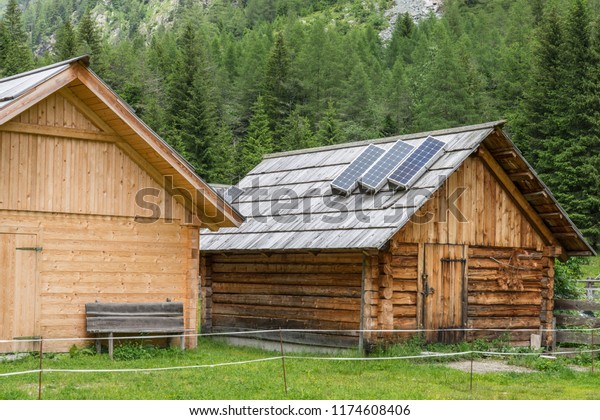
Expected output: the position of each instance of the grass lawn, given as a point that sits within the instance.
(307, 379)
(592, 269)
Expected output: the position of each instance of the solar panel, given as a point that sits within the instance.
(417, 163)
(376, 176)
(232, 193)
(346, 181)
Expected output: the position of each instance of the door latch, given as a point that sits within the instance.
(428, 291)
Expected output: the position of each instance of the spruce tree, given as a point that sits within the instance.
(66, 42)
(296, 132)
(89, 40)
(15, 56)
(259, 140)
(276, 90)
(329, 129)
(403, 31)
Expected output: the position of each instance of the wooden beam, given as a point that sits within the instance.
(566, 235)
(552, 215)
(516, 176)
(52, 131)
(37, 94)
(535, 194)
(85, 110)
(517, 196)
(580, 254)
(504, 154)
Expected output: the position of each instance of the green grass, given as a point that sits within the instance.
(307, 379)
(592, 269)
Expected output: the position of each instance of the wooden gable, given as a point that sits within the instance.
(68, 101)
(55, 158)
(473, 208)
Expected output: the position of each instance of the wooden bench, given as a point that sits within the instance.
(134, 318)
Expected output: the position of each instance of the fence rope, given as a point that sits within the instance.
(297, 330)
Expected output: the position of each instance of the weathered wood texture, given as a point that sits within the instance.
(84, 258)
(471, 208)
(508, 289)
(291, 290)
(570, 320)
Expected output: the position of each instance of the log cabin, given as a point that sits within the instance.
(94, 206)
(468, 243)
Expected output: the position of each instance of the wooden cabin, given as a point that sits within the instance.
(470, 244)
(94, 206)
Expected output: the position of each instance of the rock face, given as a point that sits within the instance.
(418, 9)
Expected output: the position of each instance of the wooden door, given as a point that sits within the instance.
(18, 290)
(444, 292)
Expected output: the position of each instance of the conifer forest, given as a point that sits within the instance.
(227, 81)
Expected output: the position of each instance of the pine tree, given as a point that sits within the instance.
(66, 42)
(296, 132)
(89, 40)
(445, 95)
(329, 128)
(195, 125)
(401, 39)
(259, 140)
(15, 56)
(398, 118)
(276, 90)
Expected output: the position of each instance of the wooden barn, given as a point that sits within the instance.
(468, 242)
(93, 206)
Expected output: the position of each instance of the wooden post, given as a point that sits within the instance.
(110, 345)
(471, 378)
(593, 355)
(283, 362)
(41, 368)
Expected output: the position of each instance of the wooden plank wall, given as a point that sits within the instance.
(291, 290)
(491, 217)
(77, 194)
(57, 174)
(494, 227)
(89, 258)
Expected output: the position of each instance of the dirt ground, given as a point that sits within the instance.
(488, 366)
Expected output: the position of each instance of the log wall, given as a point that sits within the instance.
(291, 291)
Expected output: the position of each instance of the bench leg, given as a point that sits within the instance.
(98, 346)
(110, 345)
(183, 341)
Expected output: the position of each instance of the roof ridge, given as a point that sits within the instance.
(491, 124)
(83, 58)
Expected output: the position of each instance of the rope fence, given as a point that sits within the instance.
(298, 330)
(431, 355)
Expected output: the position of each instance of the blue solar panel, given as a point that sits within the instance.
(346, 181)
(232, 193)
(376, 176)
(417, 163)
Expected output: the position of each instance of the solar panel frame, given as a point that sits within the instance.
(417, 163)
(232, 193)
(347, 181)
(376, 177)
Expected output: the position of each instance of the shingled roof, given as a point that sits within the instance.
(289, 205)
